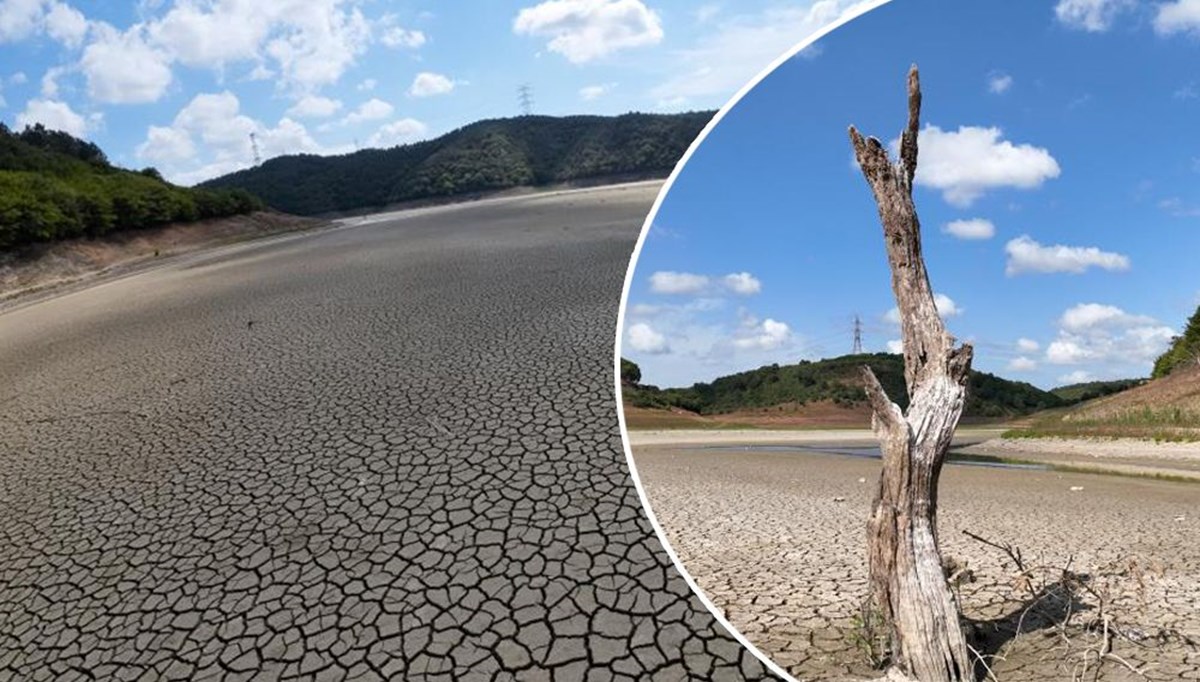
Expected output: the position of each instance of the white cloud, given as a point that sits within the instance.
(644, 339)
(395, 35)
(121, 68)
(428, 84)
(594, 92)
(50, 81)
(769, 335)
(1028, 345)
(1079, 376)
(667, 282)
(1179, 16)
(966, 163)
(398, 132)
(585, 30)
(164, 144)
(20, 19)
(945, 305)
(1178, 208)
(373, 109)
(367, 85)
(66, 24)
(1022, 364)
(1093, 332)
(974, 228)
(722, 61)
(1027, 255)
(742, 283)
(312, 42)
(1090, 15)
(895, 346)
(54, 115)
(999, 83)
(314, 106)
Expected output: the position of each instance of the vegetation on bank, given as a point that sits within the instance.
(55, 186)
(483, 156)
(835, 379)
(1184, 351)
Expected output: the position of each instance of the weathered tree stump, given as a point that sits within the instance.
(908, 586)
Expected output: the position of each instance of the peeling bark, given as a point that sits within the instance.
(907, 583)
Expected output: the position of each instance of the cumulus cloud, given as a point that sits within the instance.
(999, 83)
(767, 335)
(1022, 364)
(946, 308)
(1027, 255)
(54, 115)
(20, 19)
(122, 68)
(966, 163)
(1093, 332)
(742, 283)
(586, 30)
(644, 339)
(402, 131)
(895, 346)
(66, 24)
(373, 109)
(974, 228)
(668, 282)
(723, 60)
(1091, 15)
(394, 35)
(1179, 16)
(1079, 376)
(594, 92)
(1028, 345)
(166, 144)
(428, 84)
(314, 106)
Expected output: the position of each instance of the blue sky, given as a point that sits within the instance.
(1057, 187)
(181, 84)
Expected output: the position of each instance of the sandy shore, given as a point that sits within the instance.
(776, 540)
(641, 438)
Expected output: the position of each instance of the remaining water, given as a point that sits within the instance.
(873, 452)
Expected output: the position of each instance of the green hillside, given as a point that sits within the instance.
(837, 380)
(487, 155)
(1078, 393)
(1184, 350)
(55, 186)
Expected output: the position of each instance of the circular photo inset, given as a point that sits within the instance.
(910, 349)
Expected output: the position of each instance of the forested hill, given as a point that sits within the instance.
(55, 186)
(487, 155)
(837, 380)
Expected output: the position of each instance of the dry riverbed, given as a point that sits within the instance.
(775, 537)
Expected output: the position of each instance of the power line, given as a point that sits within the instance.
(525, 99)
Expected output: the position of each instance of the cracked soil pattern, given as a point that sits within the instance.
(389, 451)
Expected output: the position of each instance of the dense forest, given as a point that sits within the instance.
(1184, 350)
(835, 379)
(55, 186)
(487, 155)
(1078, 393)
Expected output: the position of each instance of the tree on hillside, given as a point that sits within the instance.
(630, 372)
(1184, 350)
(908, 587)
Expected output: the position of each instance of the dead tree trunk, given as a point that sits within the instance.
(908, 586)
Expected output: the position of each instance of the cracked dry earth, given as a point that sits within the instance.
(388, 451)
(769, 542)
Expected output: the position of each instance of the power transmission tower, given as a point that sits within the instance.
(525, 98)
(858, 349)
(254, 147)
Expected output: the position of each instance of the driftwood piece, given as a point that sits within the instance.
(907, 583)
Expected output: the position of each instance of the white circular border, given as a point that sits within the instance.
(849, 14)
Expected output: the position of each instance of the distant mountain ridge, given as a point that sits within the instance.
(483, 156)
(837, 380)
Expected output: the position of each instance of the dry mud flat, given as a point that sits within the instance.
(776, 540)
(389, 451)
